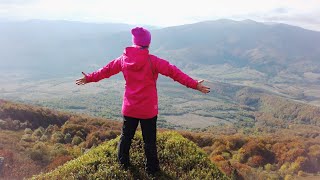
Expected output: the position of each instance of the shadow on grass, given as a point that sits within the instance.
(138, 173)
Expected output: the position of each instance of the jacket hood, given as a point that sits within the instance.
(136, 58)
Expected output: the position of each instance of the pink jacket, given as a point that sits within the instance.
(140, 70)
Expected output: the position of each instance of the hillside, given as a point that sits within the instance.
(35, 139)
(17, 116)
(268, 147)
(179, 159)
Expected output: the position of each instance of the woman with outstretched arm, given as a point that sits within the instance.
(140, 100)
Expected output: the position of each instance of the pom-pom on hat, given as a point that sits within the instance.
(140, 36)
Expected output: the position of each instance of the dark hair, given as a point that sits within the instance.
(144, 47)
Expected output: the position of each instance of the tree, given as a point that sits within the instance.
(76, 140)
(57, 137)
(67, 138)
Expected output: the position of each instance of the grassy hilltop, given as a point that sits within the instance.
(179, 159)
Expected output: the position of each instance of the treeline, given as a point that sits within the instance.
(15, 116)
(19, 116)
(261, 157)
(266, 102)
(290, 111)
(278, 107)
(46, 145)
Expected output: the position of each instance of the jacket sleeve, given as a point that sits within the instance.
(112, 68)
(167, 69)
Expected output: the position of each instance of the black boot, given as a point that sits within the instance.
(149, 133)
(152, 161)
(123, 152)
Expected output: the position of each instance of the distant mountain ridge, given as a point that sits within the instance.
(60, 44)
(242, 43)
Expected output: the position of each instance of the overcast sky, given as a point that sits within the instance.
(304, 13)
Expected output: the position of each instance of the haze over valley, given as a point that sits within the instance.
(261, 119)
(41, 59)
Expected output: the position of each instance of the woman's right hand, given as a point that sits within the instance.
(82, 81)
(204, 89)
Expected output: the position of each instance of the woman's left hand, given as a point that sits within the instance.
(83, 80)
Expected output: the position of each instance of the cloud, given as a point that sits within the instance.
(307, 20)
(281, 10)
(16, 2)
(164, 12)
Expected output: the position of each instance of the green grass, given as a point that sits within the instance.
(179, 159)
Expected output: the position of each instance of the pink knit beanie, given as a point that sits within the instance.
(140, 36)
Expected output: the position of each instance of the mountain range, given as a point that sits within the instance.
(61, 46)
(279, 58)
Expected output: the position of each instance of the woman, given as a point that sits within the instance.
(140, 100)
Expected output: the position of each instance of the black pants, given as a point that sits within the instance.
(149, 133)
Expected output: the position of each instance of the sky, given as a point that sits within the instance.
(163, 13)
